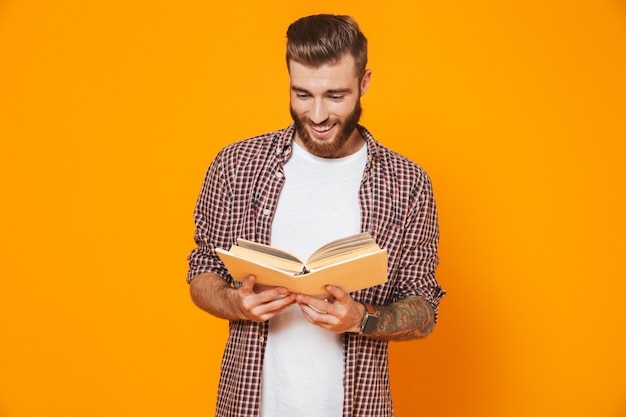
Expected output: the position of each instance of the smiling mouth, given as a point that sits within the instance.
(322, 129)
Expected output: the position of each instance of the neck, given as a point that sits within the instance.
(352, 145)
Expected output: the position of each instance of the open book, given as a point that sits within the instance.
(352, 263)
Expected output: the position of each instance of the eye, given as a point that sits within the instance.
(302, 96)
(336, 98)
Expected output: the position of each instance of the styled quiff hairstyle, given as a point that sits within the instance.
(325, 39)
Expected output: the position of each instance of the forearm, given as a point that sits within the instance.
(410, 318)
(215, 296)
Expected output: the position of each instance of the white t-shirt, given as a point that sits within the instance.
(303, 366)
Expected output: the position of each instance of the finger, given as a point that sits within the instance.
(319, 304)
(247, 285)
(317, 318)
(273, 293)
(266, 305)
(266, 293)
(337, 294)
(313, 314)
(279, 304)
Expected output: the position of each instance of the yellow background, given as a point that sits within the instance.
(111, 111)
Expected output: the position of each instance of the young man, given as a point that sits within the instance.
(322, 178)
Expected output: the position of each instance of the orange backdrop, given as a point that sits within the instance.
(111, 111)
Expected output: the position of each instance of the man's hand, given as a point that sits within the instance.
(337, 313)
(261, 303)
(248, 302)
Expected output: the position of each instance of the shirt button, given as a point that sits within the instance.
(266, 212)
(261, 339)
(279, 174)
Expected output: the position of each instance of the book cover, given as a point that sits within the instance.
(352, 263)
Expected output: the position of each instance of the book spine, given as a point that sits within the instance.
(303, 272)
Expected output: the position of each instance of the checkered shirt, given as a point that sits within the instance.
(239, 198)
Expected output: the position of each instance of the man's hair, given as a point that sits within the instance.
(325, 39)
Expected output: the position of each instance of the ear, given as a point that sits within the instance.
(365, 81)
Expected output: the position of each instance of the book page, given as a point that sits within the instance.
(339, 257)
(269, 250)
(268, 258)
(342, 249)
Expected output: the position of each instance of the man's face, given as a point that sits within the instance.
(326, 107)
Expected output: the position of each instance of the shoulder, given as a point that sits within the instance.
(394, 165)
(260, 147)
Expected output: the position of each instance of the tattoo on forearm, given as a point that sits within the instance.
(410, 318)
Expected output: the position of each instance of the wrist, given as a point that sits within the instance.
(361, 316)
(369, 321)
(231, 306)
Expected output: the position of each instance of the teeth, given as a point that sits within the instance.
(322, 128)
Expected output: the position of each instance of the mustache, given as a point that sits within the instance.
(326, 123)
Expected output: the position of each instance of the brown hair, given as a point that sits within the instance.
(324, 39)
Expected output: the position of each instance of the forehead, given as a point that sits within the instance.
(341, 74)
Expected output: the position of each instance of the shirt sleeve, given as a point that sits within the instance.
(211, 217)
(419, 254)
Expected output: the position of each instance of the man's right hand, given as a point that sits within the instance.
(260, 302)
(248, 302)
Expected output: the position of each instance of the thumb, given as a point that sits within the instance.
(338, 293)
(247, 285)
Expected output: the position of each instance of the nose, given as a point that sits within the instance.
(318, 114)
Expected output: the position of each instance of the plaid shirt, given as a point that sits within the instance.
(238, 199)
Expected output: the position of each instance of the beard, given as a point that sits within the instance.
(330, 147)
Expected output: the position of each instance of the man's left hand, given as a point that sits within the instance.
(337, 313)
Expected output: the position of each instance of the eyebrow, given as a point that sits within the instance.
(331, 91)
